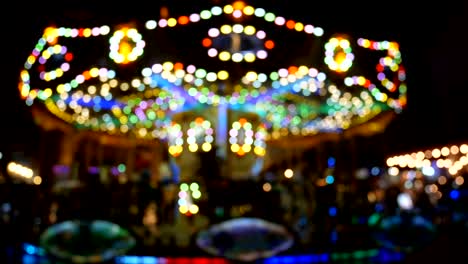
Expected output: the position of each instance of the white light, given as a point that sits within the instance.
(404, 201)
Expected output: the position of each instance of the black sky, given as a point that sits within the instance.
(433, 39)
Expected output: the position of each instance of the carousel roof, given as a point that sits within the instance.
(137, 76)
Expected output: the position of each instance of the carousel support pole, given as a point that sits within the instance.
(157, 154)
(85, 159)
(45, 165)
(131, 161)
(221, 131)
(221, 138)
(68, 148)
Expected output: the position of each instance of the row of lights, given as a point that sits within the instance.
(23, 172)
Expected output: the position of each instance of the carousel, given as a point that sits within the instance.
(235, 79)
(236, 85)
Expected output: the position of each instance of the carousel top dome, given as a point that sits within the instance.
(136, 77)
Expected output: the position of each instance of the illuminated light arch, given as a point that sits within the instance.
(241, 137)
(55, 51)
(236, 35)
(200, 135)
(338, 54)
(188, 195)
(121, 50)
(176, 140)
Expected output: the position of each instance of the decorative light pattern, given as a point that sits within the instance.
(427, 171)
(200, 133)
(176, 140)
(389, 64)
(187, 195)
(338, 54)
(235, 51)
(56, 51)
(260, 141)
(121, 51)
(241, 137)
(200, 137)
(452, 158)
(290, 100)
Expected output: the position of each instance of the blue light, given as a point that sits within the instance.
(375, 171)
(331, 162)
(272, 260)
(379, 207)
(332, 211)
(334, 236)
(29, 249)
(127, 260)
(149, 260)
(454, 194)
(289, 259)
(28, 259)
(313, 258)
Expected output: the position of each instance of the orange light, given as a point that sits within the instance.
(164, 12)
(206, 42)
(290, 24)
(86, 75)
(183, 20)
(125, 48)
(269, 44)
(199, 120)
(238, 5)
(292, 69)
(340, 57)
(178, 66)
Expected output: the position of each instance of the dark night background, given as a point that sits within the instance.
(433, 40)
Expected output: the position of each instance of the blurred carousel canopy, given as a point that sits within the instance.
(236, 77)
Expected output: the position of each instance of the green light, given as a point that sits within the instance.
(121, 167)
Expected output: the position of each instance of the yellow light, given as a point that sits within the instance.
(171, 22)
(249, 30)
(228, 9)
(249, 10)
(37, 180)
(224, 56)
(246, 148)
(87, 32)
(223, 75)
(47, 93)
(259, 151)
(299, 26)
(344, 43)
(193, 147)
(183, 209)
(168, 66)
(249, 57)
(235, 147)
(193, 209)
(226, 29)
(206, 146)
